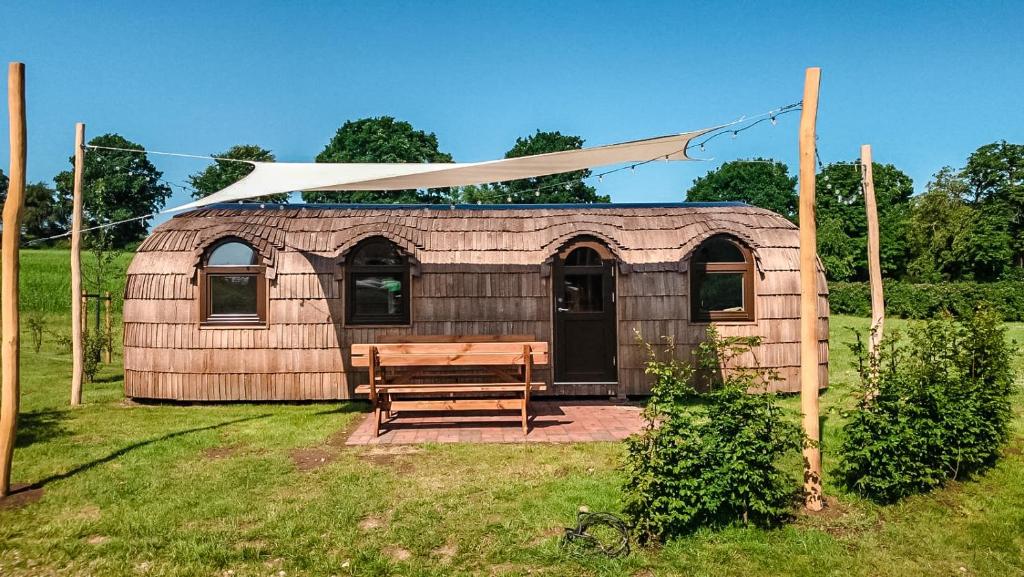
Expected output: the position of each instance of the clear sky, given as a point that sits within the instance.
(925, 83)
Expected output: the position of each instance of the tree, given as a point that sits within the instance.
(950, 238)
(224, 173)
(995, 173)
(842, 221)
(761, 182)
(43, 216)
(117, 185)
(556, 188)
(380, 139)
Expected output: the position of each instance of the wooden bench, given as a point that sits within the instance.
(402, 374)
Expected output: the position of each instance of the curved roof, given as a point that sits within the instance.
(642, 235)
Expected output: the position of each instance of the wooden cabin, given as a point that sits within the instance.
(262, 302)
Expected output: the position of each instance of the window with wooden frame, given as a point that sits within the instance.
(233, 286)
(722, 281)
(377, 284)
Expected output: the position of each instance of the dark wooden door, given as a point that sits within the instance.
(585, 335)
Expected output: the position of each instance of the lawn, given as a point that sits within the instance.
(246, 489)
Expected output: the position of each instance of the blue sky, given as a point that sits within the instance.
(924, 83)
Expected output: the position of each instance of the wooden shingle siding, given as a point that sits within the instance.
(480, 271)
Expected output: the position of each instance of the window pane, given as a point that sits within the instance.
(379, 295)
(583, 256)
(377, 254)
(584, 293)
(721, 292)
(232, 254)
(233, 295)
(719, 250)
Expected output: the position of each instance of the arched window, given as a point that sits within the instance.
(233, 285)
(377, 284)
(722, 281)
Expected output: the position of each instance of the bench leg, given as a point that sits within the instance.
(376, 418)
(526, 415)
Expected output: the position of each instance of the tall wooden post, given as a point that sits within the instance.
(874, 262)
(809, 294)
(77, 301)
(10, 339)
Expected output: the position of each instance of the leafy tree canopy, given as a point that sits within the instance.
(380, 139)
(995, 173)
(43, 216)
(117, 185)
(952, 238)
(556, 188)
(224, 173)
(761, 182)
(842, 222)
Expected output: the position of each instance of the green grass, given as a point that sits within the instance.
(46, 279)
(203, 490)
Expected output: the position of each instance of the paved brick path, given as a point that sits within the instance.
(568, 421)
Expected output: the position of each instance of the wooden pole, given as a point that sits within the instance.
(809, 294)
(107, 335)
(10, 339)
(874, 261)
(77, 300)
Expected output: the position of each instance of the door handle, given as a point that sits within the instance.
(561, 310)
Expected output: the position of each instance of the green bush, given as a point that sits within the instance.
(932, 408)
(709, 459)
(924, 301)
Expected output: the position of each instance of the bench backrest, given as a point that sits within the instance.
(400, 339)
(451, 354)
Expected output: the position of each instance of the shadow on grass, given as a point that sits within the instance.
(40, 426)
(122, 451)
(357, 406)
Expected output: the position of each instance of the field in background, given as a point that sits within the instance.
(46, 279)
(257, 489)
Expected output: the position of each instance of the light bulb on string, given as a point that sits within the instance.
(701, 147)
(600, 177)
(536, 192)
(734, 133)
(774, 122)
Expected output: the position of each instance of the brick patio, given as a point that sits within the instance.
(568, 421)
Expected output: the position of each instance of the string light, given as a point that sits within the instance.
(771, 116)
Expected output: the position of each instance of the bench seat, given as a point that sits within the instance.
(453, 388)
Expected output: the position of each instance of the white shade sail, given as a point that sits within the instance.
(278, 177)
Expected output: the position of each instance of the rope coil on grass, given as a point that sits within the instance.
(584, 539)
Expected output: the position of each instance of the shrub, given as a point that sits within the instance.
(93, 346)
(933, 408)
(924, 301)
(709, 459)
(37, 326)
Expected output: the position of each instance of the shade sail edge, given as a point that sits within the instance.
(269, 178)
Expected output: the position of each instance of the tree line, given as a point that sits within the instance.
(968, 224)
(120, 184)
